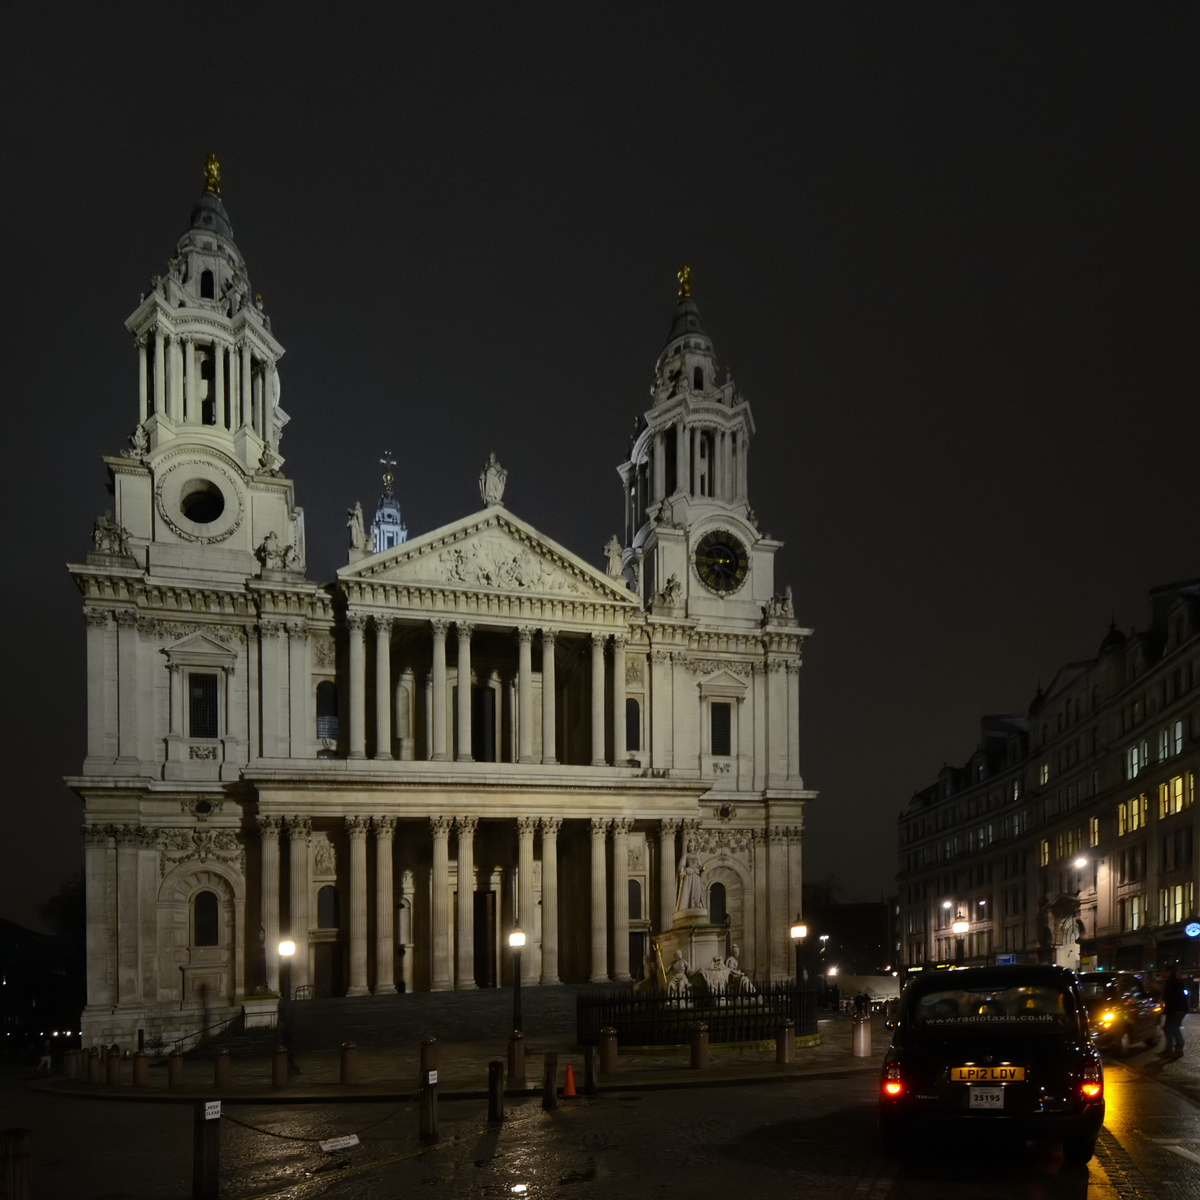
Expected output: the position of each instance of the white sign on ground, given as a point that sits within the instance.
(340, 1143)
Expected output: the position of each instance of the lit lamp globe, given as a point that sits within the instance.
(1080, 862)
(516, 939)
(960, 926)
(799, 930)
(287, 949)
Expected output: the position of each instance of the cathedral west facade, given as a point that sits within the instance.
(469, 728)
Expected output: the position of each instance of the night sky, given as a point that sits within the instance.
(948, 250)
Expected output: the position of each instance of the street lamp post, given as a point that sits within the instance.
(516, 940)
(287, 950)
(799, 933)
(960, 927)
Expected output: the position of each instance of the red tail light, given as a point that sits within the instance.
(891, 1080)
(1093, 1081)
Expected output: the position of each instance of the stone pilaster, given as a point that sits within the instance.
(465, 940)
(439, 628)
(667, 882)
(299, 832)
(268, 831)
(356, 831)
(599, 901)
(549, 750)
(385, 938)
(525, 699)
(618, 698)
(550, 828)
(383, 687)
(464, 630)
(621, 828)
(443, 977)
(356, 625)
(526, 916)
(598, 640)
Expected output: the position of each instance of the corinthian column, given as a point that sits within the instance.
(356, 830)
(143, 380)
(464, 630)
(618, 699)
(667, 883)
(383, 687)
(385, 962)
(620, 832)
(268, 830)
(599, 904)
(466, 901)
(550, 828)
(356, 623)
(526, 826)
(443, 979)
(299, 831)
(525, 696)
(439, 628)
(598, 640)
(548, 715)
(191, 412)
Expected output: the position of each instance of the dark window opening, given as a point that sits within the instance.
(207, 287)
(670, 463)
(635, 900)
(698, 379)
(483, 724)
(208, 405)
(718, 910)
(205, 922)
(721, 721)
(633, 724)
(202, 501)
(327, 711)
(327, 907)
(202, 701)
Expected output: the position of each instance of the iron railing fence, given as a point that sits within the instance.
(661, 1019)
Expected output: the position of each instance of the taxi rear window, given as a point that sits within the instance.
(1094, 989)
(952, 1010)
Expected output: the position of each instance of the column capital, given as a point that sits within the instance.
(525, 634)
(620, 641)
(466, 825)
(356, 622)
(357, 827)
(299, 827)
(526, 826)
(440, 826)
(97, 835)
(297, 628)
(464, 629)
(95, 618)
(269, 627)
(599, 639)
(599, 825)
(384, 827)
(669, 826)
(549, 636)
(439, 625)
(126, 618)
(269, 827)
(383, 625)
(622, 826)
(551, 826)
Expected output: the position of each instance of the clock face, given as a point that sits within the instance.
(721, 562)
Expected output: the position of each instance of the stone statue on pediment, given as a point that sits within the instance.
(108, 536)
(273, 554)
(354, 522)
(613, 555)
(492, 480)
(671, 594)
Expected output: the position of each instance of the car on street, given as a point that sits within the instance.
(995, 1051)
(1121, 1010)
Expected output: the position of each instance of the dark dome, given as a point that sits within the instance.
(1114, 639)
(209, 213)
(687, 320)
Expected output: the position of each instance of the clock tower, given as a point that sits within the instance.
(692, 545)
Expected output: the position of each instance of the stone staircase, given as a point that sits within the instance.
(390, 1022)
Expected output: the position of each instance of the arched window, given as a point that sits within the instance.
(327, 907)
(717, 907)
(635, 899)
(698, 379)
(207, 288)
(633, 724)
(205, 923)
(327, 711)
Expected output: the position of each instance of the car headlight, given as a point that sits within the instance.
(1108, 1018)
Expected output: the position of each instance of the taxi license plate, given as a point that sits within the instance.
(986, 1097)
(987, 1074)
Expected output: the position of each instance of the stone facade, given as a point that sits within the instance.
(269, 756)
(1069, 835)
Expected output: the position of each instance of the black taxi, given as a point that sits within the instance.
(996, 1051)
(1121, 1010)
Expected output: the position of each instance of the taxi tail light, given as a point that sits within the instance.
(891, 1080)
(1093, 1081)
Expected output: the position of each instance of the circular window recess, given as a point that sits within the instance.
(201, 501)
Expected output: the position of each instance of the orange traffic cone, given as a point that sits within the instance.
(569, 1086)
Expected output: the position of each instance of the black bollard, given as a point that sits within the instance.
(550, 1081)
(429, 1120)
(496, 1090)
(428, 1059)
(206, 1150)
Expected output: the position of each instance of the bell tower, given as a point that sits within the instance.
(200, 489)
(691, 539)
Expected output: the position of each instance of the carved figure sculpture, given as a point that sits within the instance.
(492, 480)
(273, 555)
(738, 980)
(354, 522)
(678, 983)
(691, 882)
(671, 594)
(613, 555)
(109, 537)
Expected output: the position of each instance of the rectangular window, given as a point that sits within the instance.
(1044, 855)
(721, 722)
(1044, 773)
(1133, 762)
(1094, 831)
(1177, 738)
(202, 706)
(633, 724)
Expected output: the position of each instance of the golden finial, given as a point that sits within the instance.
(212, 175)
(388, 463)
(684, 277)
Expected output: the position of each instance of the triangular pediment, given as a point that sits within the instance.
(723, 684)
(491, 551)
(197, 649)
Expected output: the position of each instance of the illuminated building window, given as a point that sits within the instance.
(1044, 854)
(1044, 773)
(1094, 831)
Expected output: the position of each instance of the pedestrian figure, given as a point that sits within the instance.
(44, 1061)
(1176, 1005)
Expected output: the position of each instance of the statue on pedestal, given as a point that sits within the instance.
(690, 899)
(492, 480)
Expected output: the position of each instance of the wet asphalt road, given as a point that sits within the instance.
(811, 1138)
